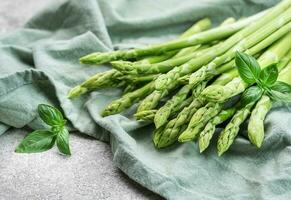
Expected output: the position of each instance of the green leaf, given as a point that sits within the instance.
(248, 68)
(37, 141)
(51, 115)
(252, 94)
(282, 87)
(63, 141)
(279, 96)
(269, 75)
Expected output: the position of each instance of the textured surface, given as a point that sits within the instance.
(88, 174)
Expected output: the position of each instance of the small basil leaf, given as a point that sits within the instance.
(279, 96)
(252, 94)
(248, 68)
(282, 87)
(63, 141)
(269, 75)
(37, 141)
(51, 115)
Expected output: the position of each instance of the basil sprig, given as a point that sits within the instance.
(43, 140)
(265, 79)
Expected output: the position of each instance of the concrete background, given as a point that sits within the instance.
(88, 174)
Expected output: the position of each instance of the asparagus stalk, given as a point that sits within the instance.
(237, 85)
(199, 120)
(167, 82)
(127, 100)
(228, 135)
(99, 80)
(200, 38)
(147, 115)
(256, 133)
(206, 135)
(161, 67)
(164, 112)
(256, 123)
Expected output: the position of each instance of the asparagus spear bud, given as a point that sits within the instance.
(199, 120)
(161, 67)
(129, 88)
(256, 123)
(206, 135)
(228, 135)
(147, 115)
(200, 38)
(99, 80)
(128, 100)
(164, 112)
(220, 93)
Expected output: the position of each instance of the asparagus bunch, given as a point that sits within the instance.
(183, 86)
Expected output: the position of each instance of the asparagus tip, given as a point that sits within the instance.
(77, 91)
(94, 58)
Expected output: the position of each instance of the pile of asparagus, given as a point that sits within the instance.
(189, 86)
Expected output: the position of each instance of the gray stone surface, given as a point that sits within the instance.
(88, 174)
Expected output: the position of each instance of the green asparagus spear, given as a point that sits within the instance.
(237, 85)
(200, 38)
(147, 115)
(199, 120)
(167, 82)
(164, 112)
(99, 80)
(161, 67)
(256, 123)
(228, 135)
(128, 100)
(206, 135)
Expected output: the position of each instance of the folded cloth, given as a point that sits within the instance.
(39, 64)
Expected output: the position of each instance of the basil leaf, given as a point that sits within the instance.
(251, 94)
(63, 141)
(282, 87)
(269, 75)
(279, 96)
(37, 141)
(51, 115)
(248, 68)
